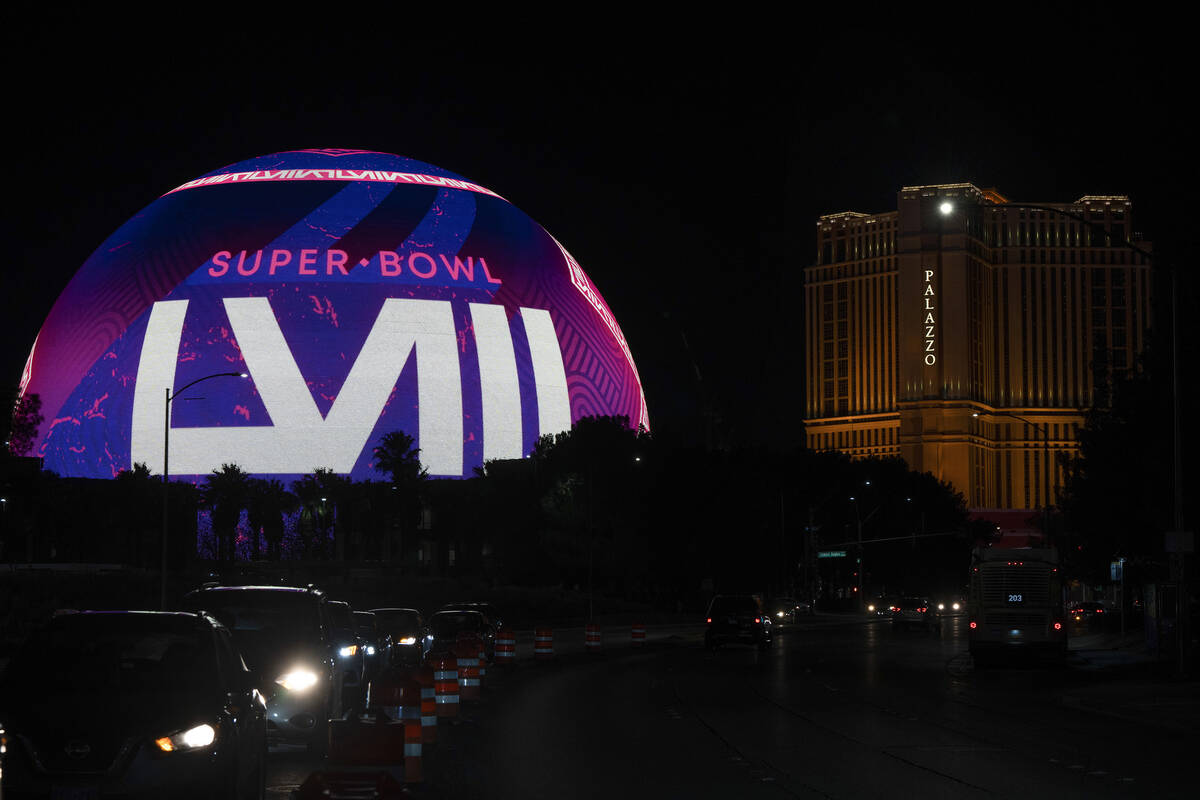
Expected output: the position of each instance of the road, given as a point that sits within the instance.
(840, 708)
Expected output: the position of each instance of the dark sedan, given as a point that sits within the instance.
(444, 627)
(407, 631)
(737, 619)
(133, 704)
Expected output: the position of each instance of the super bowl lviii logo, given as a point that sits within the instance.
(358, 293)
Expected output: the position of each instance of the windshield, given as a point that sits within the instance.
(448, 624)
(733, 605)
(398, 621)
(254, 616)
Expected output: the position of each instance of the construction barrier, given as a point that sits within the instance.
(543, 644)
(396, 694)
(445, 684)
(374, 742)
(469, 651)
(506, 646)
(592, 638)
(639, 634)
(424, 677)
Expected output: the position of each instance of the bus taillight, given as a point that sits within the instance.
(973, 625)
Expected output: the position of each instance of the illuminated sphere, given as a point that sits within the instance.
(361, 293)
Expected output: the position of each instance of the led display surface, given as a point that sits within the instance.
(362, 293)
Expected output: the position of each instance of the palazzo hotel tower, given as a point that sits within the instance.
(968, 334)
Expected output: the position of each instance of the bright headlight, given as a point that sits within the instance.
(779, 614)
(941, 606)
(871, 608)
(192, 739)
(956, 606)
(298, 680)
(348, 650)
(370, 650)
(408, 640)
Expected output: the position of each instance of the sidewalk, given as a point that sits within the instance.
(1139, 690)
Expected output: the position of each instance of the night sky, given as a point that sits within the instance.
(684, 174)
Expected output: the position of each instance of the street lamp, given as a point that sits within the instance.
(166, 470)
(859, 521)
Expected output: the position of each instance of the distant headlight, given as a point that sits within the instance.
(195, 738)
(298, 680)
(871, 607)
(779, 614)
(348, 650)
(408, 640)
(941, 606)
(956, 606)
(370, 650)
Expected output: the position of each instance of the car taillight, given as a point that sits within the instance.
(922, 609)
(709, 620)
(1058, 626)
(895, 608)
(757, 620)
(972, 625)
(1099, 610)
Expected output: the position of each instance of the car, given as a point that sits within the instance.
(406, 630)
(489, 611)
(144, 704)
(881, 606)
(1084, 610)
(737, 619)
(375, 642)
(350, 649)
(285, 634)
(443, 628)
(951, 606)
(785, 610)
(915, 611)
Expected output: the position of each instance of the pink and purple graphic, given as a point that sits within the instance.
(360, 292)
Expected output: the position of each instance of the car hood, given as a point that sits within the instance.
(107, 716)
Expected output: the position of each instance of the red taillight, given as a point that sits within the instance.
(922, 609)
(1058, 626)
(709, 620)
(757, 620)
(973, 626)
(1099, 610)
(895, 608)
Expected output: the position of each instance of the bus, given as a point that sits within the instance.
(1017, 602)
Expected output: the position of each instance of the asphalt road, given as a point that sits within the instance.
(835, 709)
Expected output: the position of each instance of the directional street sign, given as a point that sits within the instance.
(831, 554)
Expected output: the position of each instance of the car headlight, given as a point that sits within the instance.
(870, 608)
(941, 606)
(196, 738)
(779, 614)
(408, 640)
(297, 680)
(956, 606)
(370, 650)
(348, 650)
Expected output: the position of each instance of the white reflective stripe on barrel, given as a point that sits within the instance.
(448, 698)
(412, 750)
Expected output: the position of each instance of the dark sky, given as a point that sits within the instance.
(684, 173)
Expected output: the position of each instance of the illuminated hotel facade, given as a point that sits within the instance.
(968, 334)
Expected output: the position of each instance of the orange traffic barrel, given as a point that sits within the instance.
(445, 684)
(424, 677)
(592, 638)
(506, 646)
(543, 644)
(469, 650)
(639, 634)
(397, 694)
(412, 751)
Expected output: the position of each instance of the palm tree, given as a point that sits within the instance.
(225, 492)
(396, 457)
(268, 502)
(320, 494)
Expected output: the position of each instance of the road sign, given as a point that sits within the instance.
(831, 554)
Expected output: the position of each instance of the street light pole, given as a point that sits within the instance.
(166, 468)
